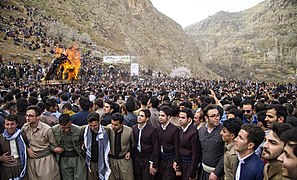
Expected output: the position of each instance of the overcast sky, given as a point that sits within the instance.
(186, 12)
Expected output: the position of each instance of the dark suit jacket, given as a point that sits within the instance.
(149, 143)
(252, 168)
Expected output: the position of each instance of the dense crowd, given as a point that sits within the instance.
(151, 127)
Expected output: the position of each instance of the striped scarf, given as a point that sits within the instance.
(103, 150)
(21, 149)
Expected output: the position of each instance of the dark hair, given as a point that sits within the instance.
(67, 106)
(247, 102)
(188, 111)
(117, 117)
(290, 108)
(99, 102)
(130, 106)
(85, 103)
(187, 104)
(50, 103)
(236, 112)
(288, 137)
(64, 119)
(111, 104)
(11, 117)
(93, 116)
(64, 96)
(209, 107)
(261, 118)
(255, 134)
(147, 112)
(33, 100)
(144, 99)
(175, 110)
(22, 105)
(233, 125)
(155, 101)
(279, 109)
(278, 128)
(167, 110)
(36, 109)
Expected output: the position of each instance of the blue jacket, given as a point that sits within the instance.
(252, 168)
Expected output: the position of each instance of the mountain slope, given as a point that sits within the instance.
(259, 43)
(111, 27)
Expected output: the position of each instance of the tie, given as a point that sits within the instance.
(139, 143)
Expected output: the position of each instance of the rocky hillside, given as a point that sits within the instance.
(259, 43)
(103, 27)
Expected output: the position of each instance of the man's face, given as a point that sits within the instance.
(270, 117)
(197, 117)
(66, 128)
(241, 142)
(116, 125)
(247, 111)
(163, 118)
(106, 108)
(31, 117)
(213, 118)
(272, 147)
(10, 126)
(94, 125)
(141, 118)
(183, 119)
(289, 162)
(227, 136)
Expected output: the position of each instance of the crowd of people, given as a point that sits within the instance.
(107, 126)
(149, 128)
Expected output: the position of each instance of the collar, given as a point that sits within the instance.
(274, 168)
(206, 126)
(241, 160)
(142, 126)
(186, 128)
(230, 146)
(164, 126)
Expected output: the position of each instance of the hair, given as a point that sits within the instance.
(280, 110)
(188, 111)
(11, 117)
(117, 117)
(288, 137)
(261, 118)
(255, 134)
(67, 106)
(187, 104)
(167, 110)
(33, 100)
(42, 106)
(209, 107)
(93, 116)
(175, 110)
(50, 103)
(290, 108)
(247, 102)
(232, 106)
(85, 103)
(147, 112)
(64, 119)
(99, 102)
(233, 125)
(64, 96)
(155, 101)
(144, 99)
(36, 109)
(111, 104)
(278, 128)
(236, 112)
(22, 105)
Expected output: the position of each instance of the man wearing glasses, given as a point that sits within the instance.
(212, 145)
(248, 115)
(41, 143)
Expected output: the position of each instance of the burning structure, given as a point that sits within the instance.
(66, 64)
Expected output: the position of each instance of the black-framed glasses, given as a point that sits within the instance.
(247, 111)
(214, 115)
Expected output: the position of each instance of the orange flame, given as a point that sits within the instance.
(71, 67)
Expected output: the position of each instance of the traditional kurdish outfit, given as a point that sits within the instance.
(16, 147)
(97, 170)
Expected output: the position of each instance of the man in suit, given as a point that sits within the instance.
(121, 143)
(169, 138)
(250, 166)
(146, 148)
